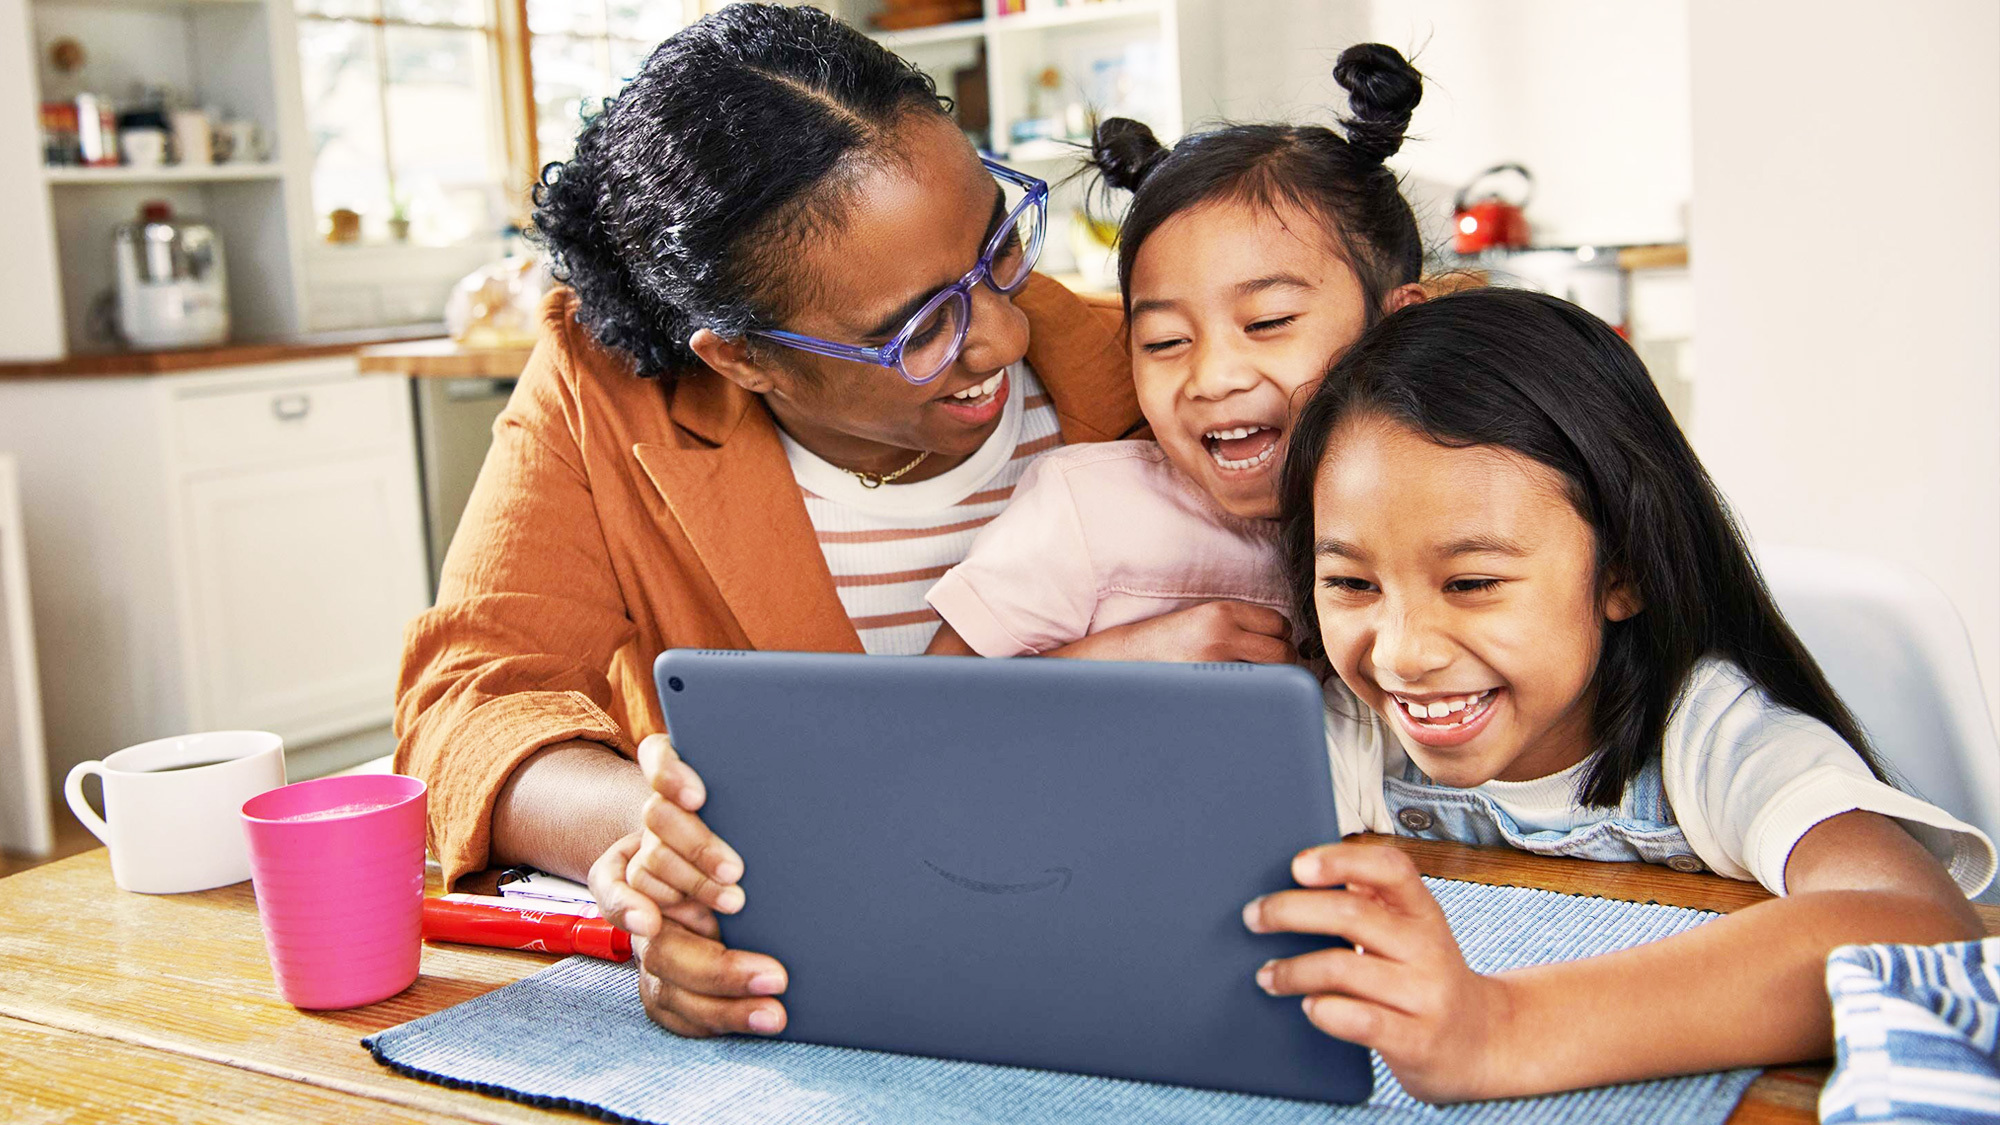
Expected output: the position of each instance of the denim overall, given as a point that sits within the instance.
(1642, 829)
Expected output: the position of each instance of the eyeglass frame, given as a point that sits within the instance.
(890, 355)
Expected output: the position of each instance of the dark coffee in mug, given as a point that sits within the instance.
(171, 823)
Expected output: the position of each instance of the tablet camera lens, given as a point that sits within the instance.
(674, 683)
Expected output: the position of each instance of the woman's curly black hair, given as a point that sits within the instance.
(1340, 179)
(695, 183)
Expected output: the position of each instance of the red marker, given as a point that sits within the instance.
(475, 923)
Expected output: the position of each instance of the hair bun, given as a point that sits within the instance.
(1125, 152)
(1383, 90)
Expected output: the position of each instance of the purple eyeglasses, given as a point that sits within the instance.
(932, 338)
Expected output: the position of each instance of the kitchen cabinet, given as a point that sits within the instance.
(299, 576)
(220, 549)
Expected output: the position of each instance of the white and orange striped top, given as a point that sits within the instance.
(886, 546)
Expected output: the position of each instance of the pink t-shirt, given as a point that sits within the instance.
(1097, 536)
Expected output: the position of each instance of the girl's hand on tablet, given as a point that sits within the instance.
(678, 857)
(620, 904)
(1440, 1026)
(1224, 631)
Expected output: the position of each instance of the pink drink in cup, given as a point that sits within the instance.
(338, 866)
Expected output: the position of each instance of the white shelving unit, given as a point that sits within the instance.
(1018, 48)
(166, 173)
(236, 54)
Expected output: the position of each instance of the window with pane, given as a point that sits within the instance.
(580, 51)
(403, 110)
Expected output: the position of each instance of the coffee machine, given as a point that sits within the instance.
(172, 288)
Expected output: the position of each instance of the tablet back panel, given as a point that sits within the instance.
(1032, 862)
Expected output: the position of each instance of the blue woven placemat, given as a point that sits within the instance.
(574, 1036)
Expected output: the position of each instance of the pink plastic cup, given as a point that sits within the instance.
(338, 866)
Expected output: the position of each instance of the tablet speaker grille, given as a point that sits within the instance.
(1221, 666)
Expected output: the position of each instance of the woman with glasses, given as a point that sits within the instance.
(799, 359)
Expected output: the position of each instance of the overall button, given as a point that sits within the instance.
(1681, 861)
(1416, 820)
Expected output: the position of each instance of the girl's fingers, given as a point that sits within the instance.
(1346, 972)
(1387, 873)
(1254, 648)
(1362, 921)
(668, 775)
(620, 903)
(641, 878)
(1357, 1021)
(1263, 620)
(689, 837)
(674, 867)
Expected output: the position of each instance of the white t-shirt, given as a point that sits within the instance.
(1746, 779)
(886, 546)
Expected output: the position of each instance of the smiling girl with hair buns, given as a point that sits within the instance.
(1251, 257)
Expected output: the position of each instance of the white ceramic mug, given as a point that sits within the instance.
(143, 148)
(171, 807)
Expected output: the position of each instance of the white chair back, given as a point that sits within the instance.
(1898, 653)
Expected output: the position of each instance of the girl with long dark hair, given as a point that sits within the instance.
(1545, 632)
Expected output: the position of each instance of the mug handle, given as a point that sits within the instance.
(73, 789)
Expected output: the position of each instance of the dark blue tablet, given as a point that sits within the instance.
(1033, 862)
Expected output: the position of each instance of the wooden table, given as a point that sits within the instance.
(117, 1005)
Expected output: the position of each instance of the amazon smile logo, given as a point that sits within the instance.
(1050, 877)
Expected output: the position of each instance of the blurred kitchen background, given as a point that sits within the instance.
(267, 289)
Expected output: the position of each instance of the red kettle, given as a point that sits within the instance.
(1491, 221)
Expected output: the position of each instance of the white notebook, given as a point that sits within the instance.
(527, 886)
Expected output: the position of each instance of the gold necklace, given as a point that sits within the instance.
(877, 480)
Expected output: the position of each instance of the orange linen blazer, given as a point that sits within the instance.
(616, 517)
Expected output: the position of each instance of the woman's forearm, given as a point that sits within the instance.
(1744, 990)
(563, 807)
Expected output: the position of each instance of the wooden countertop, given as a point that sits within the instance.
(1662, 257)
(226, 355)
(442, 358)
